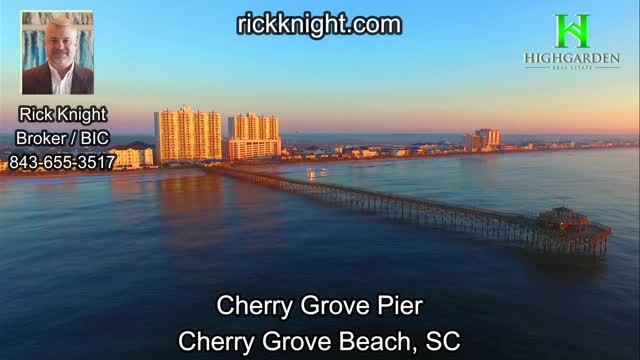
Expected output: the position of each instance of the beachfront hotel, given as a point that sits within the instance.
(187, 135)
(253, 137)
(489, 137)
(482, 140)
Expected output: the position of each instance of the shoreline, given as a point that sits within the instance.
(261, 163)
(41, 174)
(267, 163)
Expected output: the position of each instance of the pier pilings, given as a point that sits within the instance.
(511, 229)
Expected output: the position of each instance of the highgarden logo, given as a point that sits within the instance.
(579, 60)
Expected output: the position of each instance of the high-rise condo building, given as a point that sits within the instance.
(252, 136)
(472, 142)
(187, 135)
(489, 137)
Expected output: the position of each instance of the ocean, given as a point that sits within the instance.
(117, 265)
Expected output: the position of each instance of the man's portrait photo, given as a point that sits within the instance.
(57, 53)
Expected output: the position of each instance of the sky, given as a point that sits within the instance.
(457, 67)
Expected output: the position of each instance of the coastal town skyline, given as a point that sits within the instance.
(145, 128)
(192, 137)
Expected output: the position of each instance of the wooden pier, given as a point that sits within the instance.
(511, 229)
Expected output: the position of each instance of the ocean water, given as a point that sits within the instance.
(115, 266)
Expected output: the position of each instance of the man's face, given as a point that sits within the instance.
(60, 44)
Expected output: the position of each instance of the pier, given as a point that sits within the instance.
(510, 229)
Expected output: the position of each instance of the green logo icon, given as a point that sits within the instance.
(579, 31)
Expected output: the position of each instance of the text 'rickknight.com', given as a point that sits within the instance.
(318, 26)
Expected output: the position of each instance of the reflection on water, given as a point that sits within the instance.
(201, 212)
(193, 210)
(313, 173)
(191, 198)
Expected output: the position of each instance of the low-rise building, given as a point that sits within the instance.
(563, 218)
(369, 153)
(355, 153)
(506, 147)
(132, 156)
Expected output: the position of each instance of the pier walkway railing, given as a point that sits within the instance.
(512, 229)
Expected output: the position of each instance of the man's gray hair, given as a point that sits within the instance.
(62, 21)
(65, 22)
